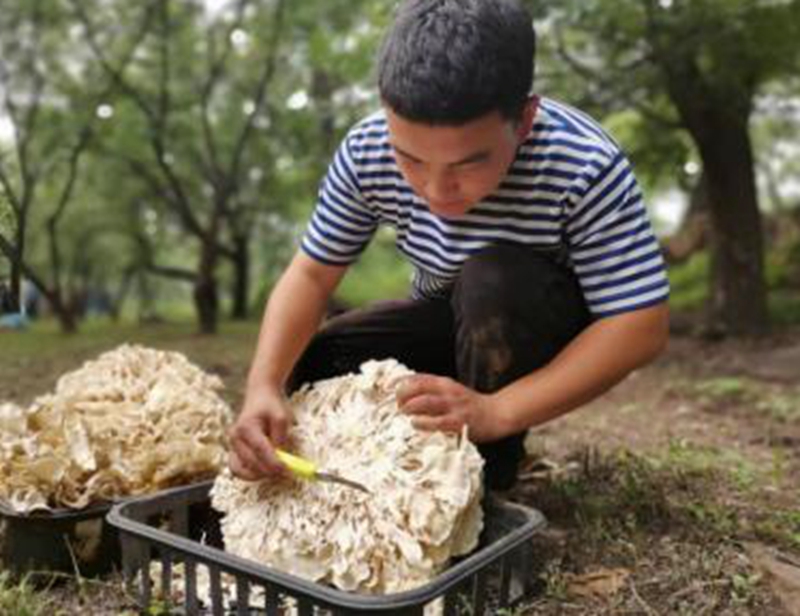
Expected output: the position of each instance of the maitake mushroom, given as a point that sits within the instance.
(133, 421)
(424, 506)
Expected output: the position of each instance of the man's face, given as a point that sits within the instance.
(455, 167)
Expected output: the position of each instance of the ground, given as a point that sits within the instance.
(675, 493)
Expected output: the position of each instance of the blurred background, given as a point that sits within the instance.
(159, 159)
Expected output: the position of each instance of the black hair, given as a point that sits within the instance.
(452, 61)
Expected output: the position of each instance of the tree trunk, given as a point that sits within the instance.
(738, 289)
(205, 290)
(241, 278)
(66, 320)
(65, 315)
(16, 263)
(15, 286)
(692, 235)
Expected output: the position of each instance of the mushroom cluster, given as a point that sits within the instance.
(424, 505)
(132, 421)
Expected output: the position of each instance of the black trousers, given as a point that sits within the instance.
(511, 310)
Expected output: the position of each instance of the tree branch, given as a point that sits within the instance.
(63, 200)
(611, 86)
(260, 92)
(8, 250)
(147, 251)
(117, 73)
(216, 70)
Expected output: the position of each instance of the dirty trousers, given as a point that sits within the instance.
(510, 311)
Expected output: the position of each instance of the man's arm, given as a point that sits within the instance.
(292, 316)
(599, 357)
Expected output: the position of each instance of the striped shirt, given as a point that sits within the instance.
(569, 186)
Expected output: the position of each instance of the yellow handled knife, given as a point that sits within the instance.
(306, 469)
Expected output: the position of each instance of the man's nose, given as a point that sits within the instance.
(441, 186)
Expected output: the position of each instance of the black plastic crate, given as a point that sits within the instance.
(62, 541)
(179, 528)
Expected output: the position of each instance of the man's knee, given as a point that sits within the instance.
(514, 308)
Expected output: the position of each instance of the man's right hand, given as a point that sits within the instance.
(262, 425)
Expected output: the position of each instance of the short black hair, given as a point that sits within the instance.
(452, 61)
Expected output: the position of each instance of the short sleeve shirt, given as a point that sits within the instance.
(569, 187)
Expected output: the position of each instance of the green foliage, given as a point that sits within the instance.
(381, 273)
(662, 73)
(689, 283)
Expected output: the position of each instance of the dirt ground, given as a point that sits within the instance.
(678, 492)
(675, 493)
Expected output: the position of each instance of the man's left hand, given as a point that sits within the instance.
(441, 403)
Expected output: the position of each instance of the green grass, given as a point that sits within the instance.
(689, 288)
(43, 338)
(20, 598)
(755, 398)
(682, 490)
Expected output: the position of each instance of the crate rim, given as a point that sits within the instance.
(61, 513)
(259, 574)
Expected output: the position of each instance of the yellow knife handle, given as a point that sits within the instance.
(299, 466)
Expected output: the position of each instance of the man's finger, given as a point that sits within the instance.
(419, 384)
(278, 430)
(259, 454)
(240, 469)
(441, 423)
(426, 404)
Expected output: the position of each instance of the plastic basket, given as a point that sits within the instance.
(167, 528)
(63, 540)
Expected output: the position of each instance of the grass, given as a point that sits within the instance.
(20, 597)
(43, 337)
(728, 394)
(674, 518)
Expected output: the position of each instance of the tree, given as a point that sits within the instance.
(199, 119)
(52, 124)
(694, 66)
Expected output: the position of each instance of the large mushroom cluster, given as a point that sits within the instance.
(424, 505)
(133, 421)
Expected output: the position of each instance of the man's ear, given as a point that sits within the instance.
(528, 116)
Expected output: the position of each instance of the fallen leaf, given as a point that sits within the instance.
(781, 573)
(600, 583)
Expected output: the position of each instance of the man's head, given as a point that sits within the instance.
(455, 78)
(445, 62)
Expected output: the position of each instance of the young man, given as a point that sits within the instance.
(538, 284)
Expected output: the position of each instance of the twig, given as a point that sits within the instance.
(642, 603)
(695, 587)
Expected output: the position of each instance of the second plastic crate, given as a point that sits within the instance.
(64, 541)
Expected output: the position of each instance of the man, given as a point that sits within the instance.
(538, 282)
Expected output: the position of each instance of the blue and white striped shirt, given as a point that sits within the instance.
(570, 185)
